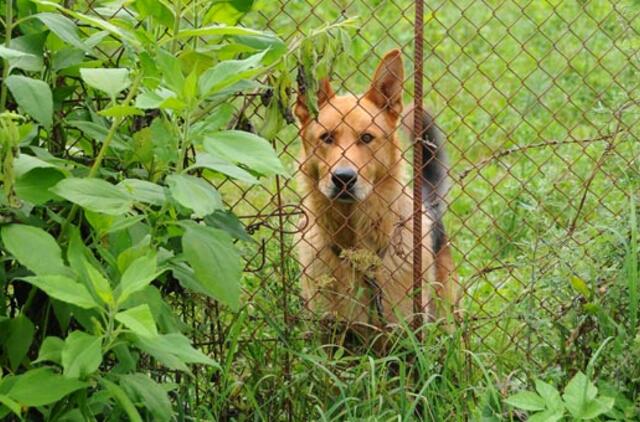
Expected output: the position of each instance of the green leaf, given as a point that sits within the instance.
(34, 248)
(194, 193)
(63, 27)
(549, 394)
(42, 386)
(18, 340)
(578, 393)
(34, 186)
(11, 405)
(173, 350)
(210, 162)
(219, 30)
(215, 261)
(526, 400)
(81, 355)
(51, 350)
(122, 398)
(551, 415)
(158, 9)
(597, 407)
(143, 191)
(20, 59)
(245, 148)
(153, 396)
(98, 133)
(121, 111)
(95, 195)
(171, 70)
(112, 81)
(137, 276)
(34, 96)
(100, 284)
(580, 286)
(139, 320)
(226, 73)
(64, 289)
(227, 221)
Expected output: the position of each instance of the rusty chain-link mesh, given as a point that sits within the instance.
(538, 103)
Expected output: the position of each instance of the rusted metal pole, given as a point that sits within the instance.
(417, 167)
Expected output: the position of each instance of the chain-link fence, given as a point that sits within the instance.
(538, 104)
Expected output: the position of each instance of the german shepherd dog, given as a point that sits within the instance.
(357, 246)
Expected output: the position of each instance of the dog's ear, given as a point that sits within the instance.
(325, 93)
(386, 87)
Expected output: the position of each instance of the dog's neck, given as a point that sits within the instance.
(368, 224)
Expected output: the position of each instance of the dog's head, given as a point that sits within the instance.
(351, 145)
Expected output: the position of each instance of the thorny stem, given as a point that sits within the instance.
(7, 43)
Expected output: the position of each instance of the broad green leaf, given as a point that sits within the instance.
(549, 394)
(139, 320)
(112, 81)
(211, 162)
(151, 394)
(526, 400)
(597, 407)
(34, 248)
(42, 386)
(81, 355)
(18, 340)
(578, 393)
(98, 133)
(245, 148)
(100, 284)
(51, 350)
(24, 163)
(21, 60)
(171, 70)
(95, 195)
(121, 111)
(64, 289)
(227, 221)
(34, 96)
(137, 276)
(580, 286)
(194, 193)
(551, 415)
(173, 350)
(160, 10)
(226, 73)
(34, 186)
(63, 27)
(215, 261)
(122, 399)
(67, 58)
(143, 191)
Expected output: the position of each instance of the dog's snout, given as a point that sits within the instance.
(344, 178)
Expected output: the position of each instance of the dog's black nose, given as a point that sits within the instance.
(344, 178)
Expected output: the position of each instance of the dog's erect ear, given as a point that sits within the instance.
(386, 88)
(324, 94)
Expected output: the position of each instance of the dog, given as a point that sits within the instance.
(356, 248)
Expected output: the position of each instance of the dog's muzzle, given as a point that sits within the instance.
(344, 182)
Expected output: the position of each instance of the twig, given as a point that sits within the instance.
(512, 150)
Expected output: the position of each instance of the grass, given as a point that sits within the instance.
(499, 75)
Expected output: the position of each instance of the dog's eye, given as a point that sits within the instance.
(327, 138)
(366, 138)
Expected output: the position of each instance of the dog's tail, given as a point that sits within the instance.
(435, 186)
(435, 181)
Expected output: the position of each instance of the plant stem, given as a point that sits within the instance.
(104, 148)
(184, 144)
(8, 25)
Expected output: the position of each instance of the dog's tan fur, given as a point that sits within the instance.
(338, 236)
